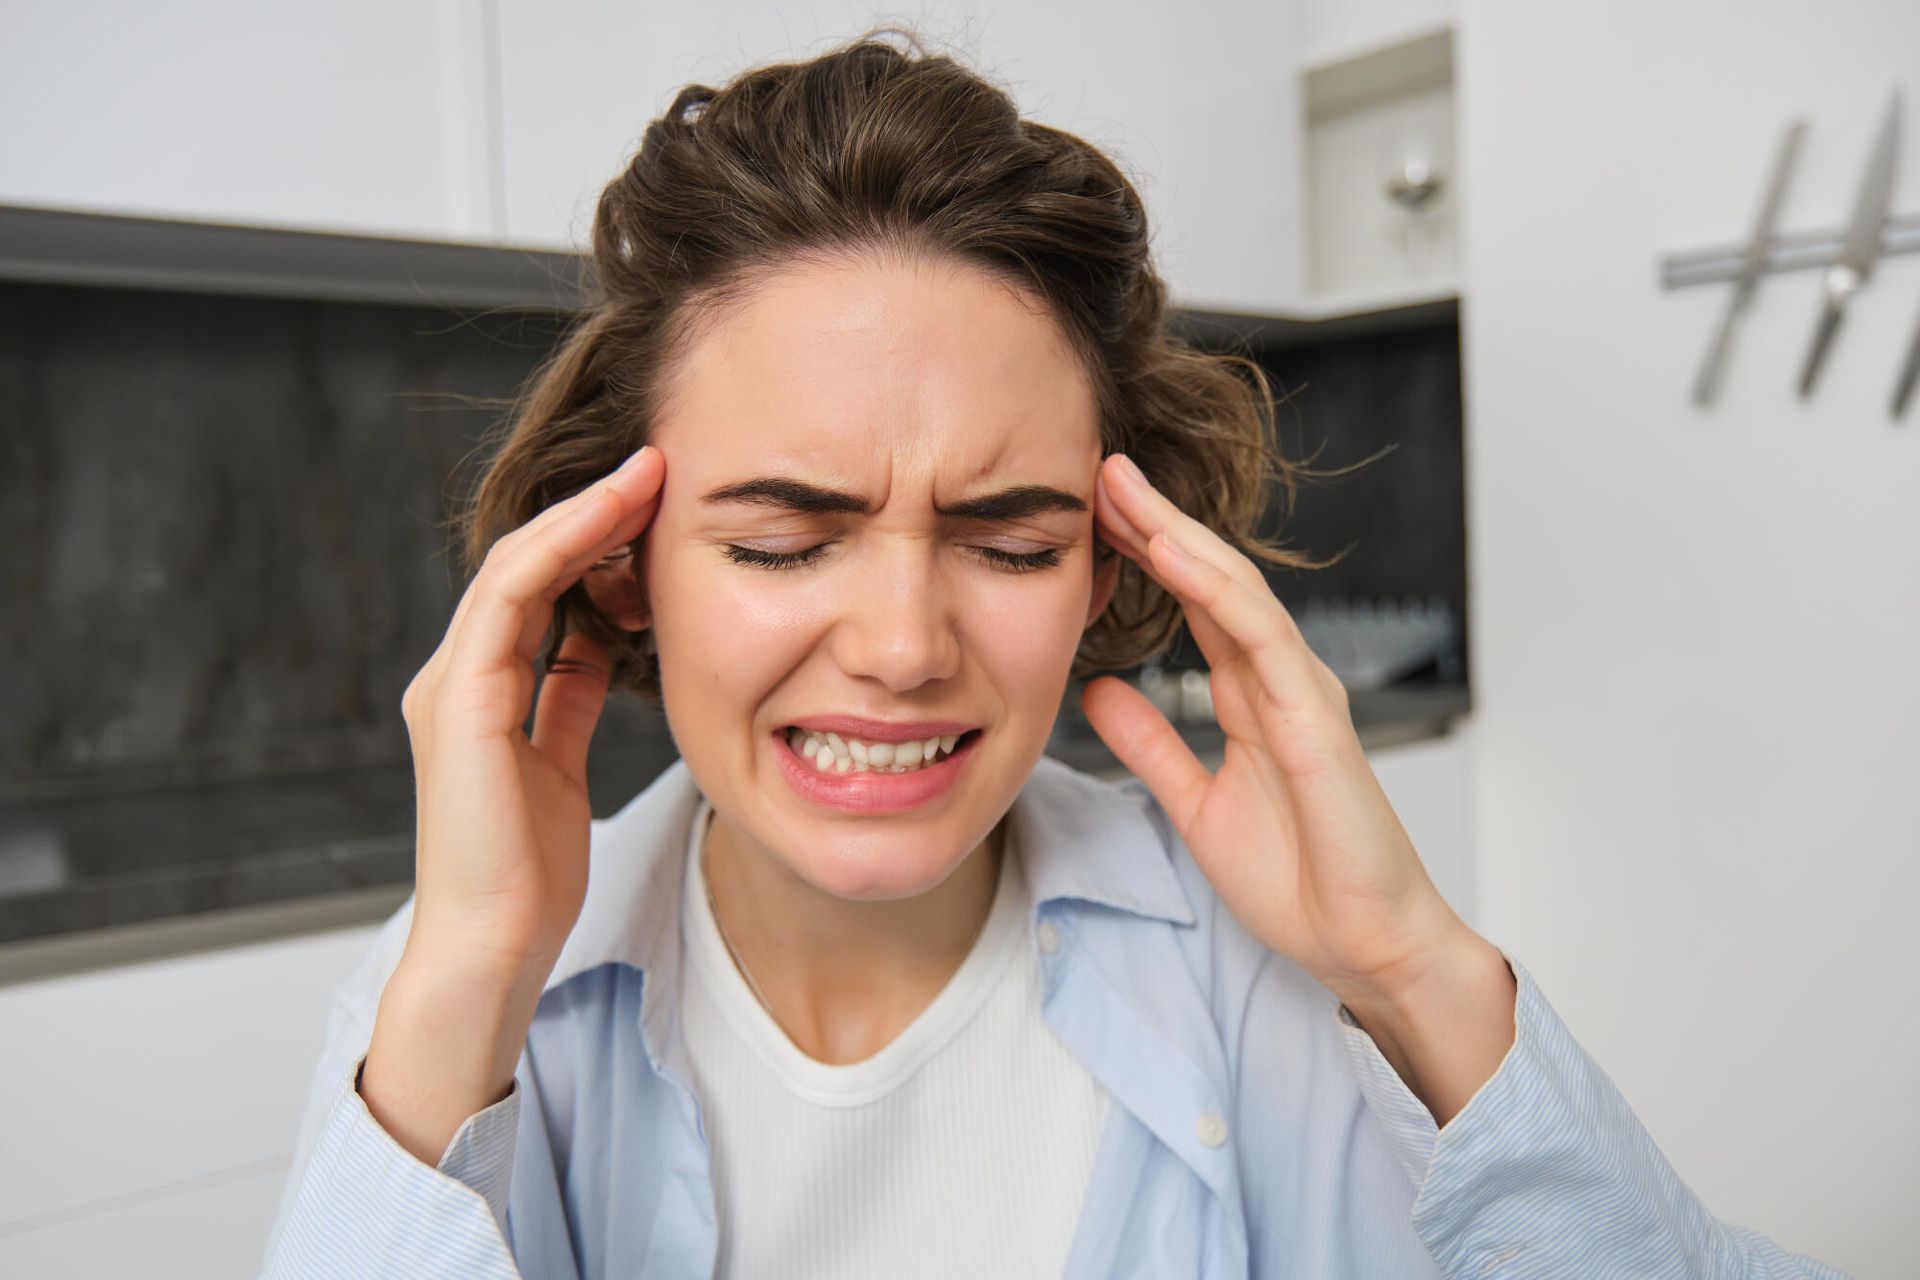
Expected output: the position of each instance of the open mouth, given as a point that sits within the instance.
(833, 753)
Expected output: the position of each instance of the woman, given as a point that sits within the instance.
(863, 984)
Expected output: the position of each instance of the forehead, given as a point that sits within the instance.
(877, 372)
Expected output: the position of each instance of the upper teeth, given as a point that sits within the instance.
(844, 755)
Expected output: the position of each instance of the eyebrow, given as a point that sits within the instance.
(1015, 503)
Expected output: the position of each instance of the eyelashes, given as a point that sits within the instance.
(1012, 561)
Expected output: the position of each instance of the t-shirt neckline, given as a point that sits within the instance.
(851, 1083)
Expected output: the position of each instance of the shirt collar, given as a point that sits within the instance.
(1133, 1018)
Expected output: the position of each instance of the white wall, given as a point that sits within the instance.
(1695, 635)
(1207, 128)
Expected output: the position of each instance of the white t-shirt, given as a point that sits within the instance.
(962, 1148)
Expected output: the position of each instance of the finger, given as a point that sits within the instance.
(1149, 511)
(1114, 526)
(1143, 740)
(534, 624)
(1254, 622)
(1132, 543)
(1146, 511)
(1128, 541)
(637, 482)
(638, 478)
(569, 703)
(515, 590)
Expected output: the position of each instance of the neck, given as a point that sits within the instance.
(844, 977)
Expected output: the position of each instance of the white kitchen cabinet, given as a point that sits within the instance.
(1207, 127)
(1381, 175)
(500, 121)
(155, 1107)
(355, 115)
(215, 1231)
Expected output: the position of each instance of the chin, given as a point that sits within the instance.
(880, 870)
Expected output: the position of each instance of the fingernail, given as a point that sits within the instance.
(1177, 552)
(633, 459)
(1127, 465)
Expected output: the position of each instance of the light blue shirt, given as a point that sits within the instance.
(1256, 1129)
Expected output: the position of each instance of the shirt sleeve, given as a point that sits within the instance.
(1547, 1172)
(357, 1203)
(480, 1153)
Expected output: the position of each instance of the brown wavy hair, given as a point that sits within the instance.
(870, 148)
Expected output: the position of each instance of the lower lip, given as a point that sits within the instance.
(871, 792)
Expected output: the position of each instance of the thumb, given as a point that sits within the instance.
(1147, 744)
(569, 703)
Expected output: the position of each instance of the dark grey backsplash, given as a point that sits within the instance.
(224, 547)
(1404, 513)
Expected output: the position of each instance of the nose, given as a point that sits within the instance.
(898, 624)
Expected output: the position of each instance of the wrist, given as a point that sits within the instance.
(1446, 1026)
(430, 963)
(475, 1015)
(1452, 959)
(444, 1047)
(448, 951)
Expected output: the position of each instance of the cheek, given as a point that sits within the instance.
(1026, 629)
(717, 629)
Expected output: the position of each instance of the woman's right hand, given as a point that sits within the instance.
(504, 818)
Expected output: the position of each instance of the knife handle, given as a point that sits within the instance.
(1707, 385)
(1909, 374)
(1830, 315)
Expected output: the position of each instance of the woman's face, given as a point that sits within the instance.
(877, 508)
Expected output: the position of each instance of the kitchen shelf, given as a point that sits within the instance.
(1372, 118)
(1377, 72)
(1369, 301)
(1335, 319)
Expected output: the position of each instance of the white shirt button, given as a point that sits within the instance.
(1049, 937)
(1210, 1129)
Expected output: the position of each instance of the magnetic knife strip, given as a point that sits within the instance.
(1847, 255)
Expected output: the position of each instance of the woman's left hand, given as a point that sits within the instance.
(1293, 831)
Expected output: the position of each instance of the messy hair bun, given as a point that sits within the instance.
(868, 147)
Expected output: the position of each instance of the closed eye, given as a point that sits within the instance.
(1012, 561)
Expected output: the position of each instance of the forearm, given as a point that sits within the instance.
(444, 1047)
(1447, 1032)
